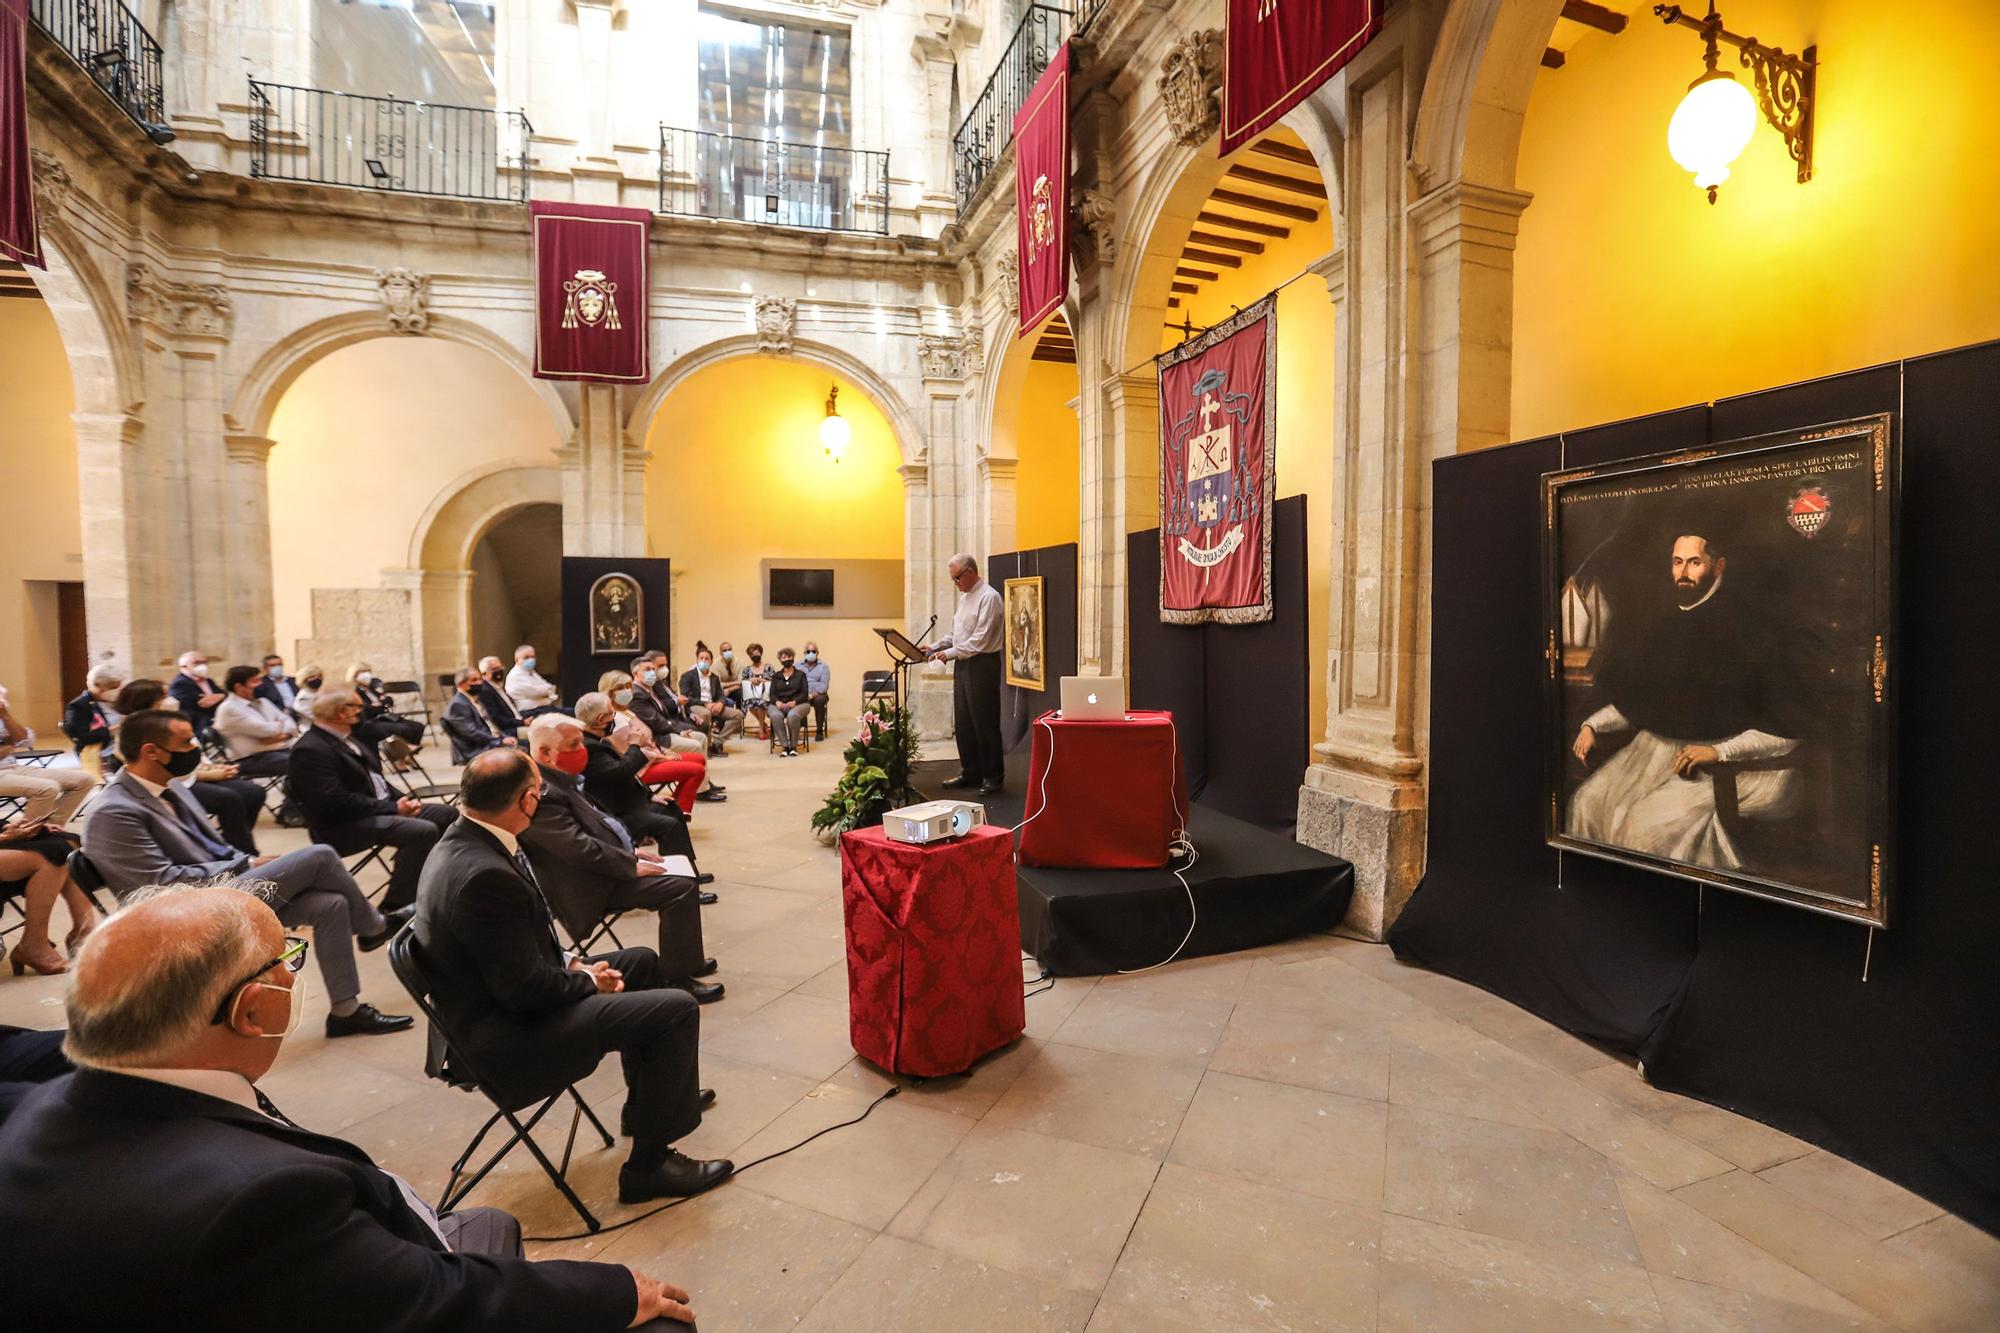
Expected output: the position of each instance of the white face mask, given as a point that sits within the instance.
(298, 1005)
(622, 698)
(199, 671)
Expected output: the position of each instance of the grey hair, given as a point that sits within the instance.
(547, 729)
(591, 709)
(167, 998)
(104, 673)
(182, 660)
(463, 674)
(328, 703)
(964, 561)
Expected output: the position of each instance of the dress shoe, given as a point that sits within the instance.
(704, 877)
(712, 795)
(705, 1100)
(679, 1175)
(989, 788)
(704, 992)
(395, 921)
(707, 968)
(45, 960)
(717, 786)
(366, 1021)
(959, 783)
(705, 898)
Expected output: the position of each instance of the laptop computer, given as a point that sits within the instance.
(1093, 698)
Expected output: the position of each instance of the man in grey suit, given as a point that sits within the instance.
(145, 830)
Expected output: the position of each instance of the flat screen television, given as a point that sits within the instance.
(801, 588)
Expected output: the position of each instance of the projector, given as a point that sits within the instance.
(933, 821)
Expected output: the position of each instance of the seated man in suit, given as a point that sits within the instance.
(145, 830)
(196, 693)
(533, 1018)
(470, 724)
(493, 693)
(347, 803)
(664, 712)
(257, 733)
(588, 867)
(611, 777)
(277, 686)
(162, 1171)
(708, 705)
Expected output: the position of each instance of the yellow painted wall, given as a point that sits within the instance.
(1046, 493)
(1633, 294)
(737, 476)
(44, 535)
(366, 440)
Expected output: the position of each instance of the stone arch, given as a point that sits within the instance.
(102, 374)
(440, 565)
(261, 388)
(1476, 90)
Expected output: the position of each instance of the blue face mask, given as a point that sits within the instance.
(701, 667)
(527, 664)
(812, 657)
(728, 656)
(651, 678)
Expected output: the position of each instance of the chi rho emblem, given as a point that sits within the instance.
(1211, 471)
(591, 299)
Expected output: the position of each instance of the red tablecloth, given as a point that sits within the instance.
(933, 949)
(1103, 795)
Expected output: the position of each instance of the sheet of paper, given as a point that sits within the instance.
(680, 865)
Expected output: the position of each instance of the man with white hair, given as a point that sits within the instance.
(527, 690)
(159, 1168)
(973, 648)
(196, 693)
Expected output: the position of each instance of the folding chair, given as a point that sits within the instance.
(34, 758)
(81, 873)
(805, 734)
(401, 756)
(877, 685)
(400, 692)
(405, 956)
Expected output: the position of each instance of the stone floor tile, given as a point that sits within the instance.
(747, 1098)
(1146, 1024)
(898, 1286)
(1318, 1143)
(1328, 987)
(1854, 1194)
(970, 1094)
(1536, 1038)
(1955, 1240)
(1736, 1139)
(1435, 1277)
(1349, 1055)
(1214, 1252)
(1048, 1009)
(793, 1034)
(1045, 1208)
(1690, 1307)
(779, 956)
(863, 1173)
(1220, 977)
(1422, 1080)
(339, 1091)
(1121, 1102)
(1532, 1185)
(1434, 990)
(829, 983)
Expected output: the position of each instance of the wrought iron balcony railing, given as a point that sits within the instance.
(117, 52)
(709, 175)
(989, 127)
(387, 143)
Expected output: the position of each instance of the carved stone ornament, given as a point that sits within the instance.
(1094, 212)
(952, 356)
(53, 185)
(1010, 281)
(177, 307)
(405, 298)
(776, 316)
(1190, 81)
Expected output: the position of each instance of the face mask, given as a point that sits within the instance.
(496, 675)
(180, 763)
(365, 678)
(312, 682)
(701, 667)
(756, 657)
(297, 1003)
(651, 678)
(199, 671)
(784, 661)
(527, 664)
(728, 655)
(275, 673)
(574, 761)
(623, 698)
(811, 656)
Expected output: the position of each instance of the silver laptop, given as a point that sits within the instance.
(1093, 698)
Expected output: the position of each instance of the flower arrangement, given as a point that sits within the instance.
(878, 768)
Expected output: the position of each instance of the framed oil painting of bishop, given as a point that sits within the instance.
(1026, 643)
(1720, 643)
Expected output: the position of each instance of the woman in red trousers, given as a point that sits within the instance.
(687, 772)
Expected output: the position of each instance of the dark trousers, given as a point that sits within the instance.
(818, 702)
(975, 714)
(657, 1034)
(490, 1231)
(235, 803)
(660, 825)
(264, 764)
(412, 836)
(676, 899)
(373, 731)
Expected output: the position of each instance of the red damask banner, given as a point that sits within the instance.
(18, 238)
(1275, 52)
(1041, 193)
(1218, 471)
(591, 280)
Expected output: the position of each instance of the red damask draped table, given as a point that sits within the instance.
(933, 949)
(1104, 795)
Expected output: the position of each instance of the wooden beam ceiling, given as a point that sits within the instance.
(1251, 225)
(1278, 180)
(1594, 16)
(1211, 257)
(1219, 242)
(1552, 58)
(1198, 274)
(1259, 204)
(1187, 288)
(1285, 152)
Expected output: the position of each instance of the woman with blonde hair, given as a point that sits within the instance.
(688, 772)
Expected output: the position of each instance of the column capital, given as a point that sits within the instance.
(1463, 210)
(1331, 268)
(248, 448)
(1134, 388)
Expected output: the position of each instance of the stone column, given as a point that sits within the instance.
(999, 519)
(604, 480)
(953, 505)
(440, 618)
(118, 588)
(246, 537)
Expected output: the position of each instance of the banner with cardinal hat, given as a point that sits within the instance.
(1275, 52)
(1218, 471)
(1041, 193)
(591, 280)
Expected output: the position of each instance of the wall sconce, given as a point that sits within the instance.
(834, 431)
(1714, 122)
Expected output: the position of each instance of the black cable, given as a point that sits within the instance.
(655, 1212)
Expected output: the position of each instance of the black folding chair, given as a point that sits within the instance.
(399, 757)
(405, 956)
(877, 685)
(406, 698)
(81, 873)
(34, 758)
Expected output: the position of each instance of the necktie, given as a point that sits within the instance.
(270, 1108)
(196, 826)
(527, 870)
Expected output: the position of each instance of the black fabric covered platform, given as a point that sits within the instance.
(1251, 887)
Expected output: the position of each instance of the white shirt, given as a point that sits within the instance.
(507, 840)
(528, 690)
(975, 626)
(253, 725)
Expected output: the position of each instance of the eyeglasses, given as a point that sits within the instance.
(294, 958)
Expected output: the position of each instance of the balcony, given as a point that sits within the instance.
(708, 175)
(387, 143)
(117, 52)
(989, 128)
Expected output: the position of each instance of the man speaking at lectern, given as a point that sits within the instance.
(973, 646)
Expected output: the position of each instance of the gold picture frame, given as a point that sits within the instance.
(617, 614)
(1026, 638)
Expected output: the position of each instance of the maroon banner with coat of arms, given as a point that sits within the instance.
(1218, 471)
(1041, 193)
(591, 282)
(1275, 52)
(19, 240)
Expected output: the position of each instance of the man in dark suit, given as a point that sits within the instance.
(159, 1168)
(467, 720)
(276, 685)
(588, 867)
(532, 1018)
(708, 705)
(196, 694)
(493, 693)
(347, 803)
(654, 701)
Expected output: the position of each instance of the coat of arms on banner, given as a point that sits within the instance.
(1042, 220)
(1217, 471)
(592, 298)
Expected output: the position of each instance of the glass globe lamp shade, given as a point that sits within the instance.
(834, 433)
(1711, 128)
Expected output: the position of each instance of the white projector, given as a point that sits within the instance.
(933, 821)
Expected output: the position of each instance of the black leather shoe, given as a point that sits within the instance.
(712, 795)
(716, 752)
(958, 783)
(706, 1100)
(704, 897)
(395, 920)
(704, 877)
(707, 968)
(717, 786)
(704, 992)
(678, 1176)
(366, 1021)
(988, 788)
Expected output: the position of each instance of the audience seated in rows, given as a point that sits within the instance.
(528, 693)
(257, 733)
(276, 686)
(378, 710)
(533, 1019)
(612, 776)
(493, 693)
(819, 683)
(790, 700)
(235, 802)
(311, 681)
(687, 770)
(706, 696)
(588, 865)
(753, 681)
(157, 1187)
(196, 693)
(664, 711)
(34, 861)
(469, 722)
(48, 795)
(89, 719)
(144, 831)
(347, 803)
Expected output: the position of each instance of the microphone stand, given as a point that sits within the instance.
(901, 669)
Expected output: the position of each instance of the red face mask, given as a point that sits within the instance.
(573, 762)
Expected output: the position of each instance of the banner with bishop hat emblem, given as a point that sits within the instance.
(591, 280)
(1275, 52)
(1041, 193)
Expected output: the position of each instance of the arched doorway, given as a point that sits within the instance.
(515, 595)
(1033, 429)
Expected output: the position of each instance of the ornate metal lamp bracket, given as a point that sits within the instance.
(1786, 84)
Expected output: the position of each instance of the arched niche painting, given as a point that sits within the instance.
(617, 614)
